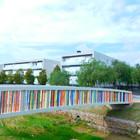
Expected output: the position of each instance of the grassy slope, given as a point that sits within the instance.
(46, 125)
(132, 113)
(42, 126)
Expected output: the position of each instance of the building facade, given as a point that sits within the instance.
(72, 62)
(1, 67)
(35, 65)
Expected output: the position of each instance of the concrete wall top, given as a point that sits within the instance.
(46, 87)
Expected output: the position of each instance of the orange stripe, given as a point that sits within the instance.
(77, 97)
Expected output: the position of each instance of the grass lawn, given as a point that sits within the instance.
(132, 113)
(50, 126)
(42, 126)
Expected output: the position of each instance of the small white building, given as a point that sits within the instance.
(35, 65)
(72, 62)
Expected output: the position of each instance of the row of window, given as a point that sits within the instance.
(35, 72)
(72, 70)
(23, 66)
(76, 60)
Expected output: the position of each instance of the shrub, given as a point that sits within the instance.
(42, 78)
(59, 78)
(29, 77)
(10, 77)
(19, 77)
(3, 77)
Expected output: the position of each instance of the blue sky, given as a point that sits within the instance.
(33, 29)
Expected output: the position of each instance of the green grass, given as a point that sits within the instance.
(132, 113)
(99, 109)
(40, 127)
(54, 127)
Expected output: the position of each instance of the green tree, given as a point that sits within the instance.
(10, 77)
(136, 74)
(120, 72)
(3, 77)
(91, 73)
(29, 77)
(59, 78)
(42, 78)
(19, 77)
(57, 68)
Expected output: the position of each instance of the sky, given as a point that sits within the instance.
(34, 29)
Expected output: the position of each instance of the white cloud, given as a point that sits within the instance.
(24, 53)
(66, 21)
(130, 57)
(84, 48)
(130, 47)
(132, 8)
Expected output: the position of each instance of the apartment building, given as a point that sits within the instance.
(72, 62)
(35, 65)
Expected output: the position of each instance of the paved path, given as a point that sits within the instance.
(136, 92)
(136, 95)
(136, 98)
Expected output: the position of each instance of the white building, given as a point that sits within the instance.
(72, 62)
(1, 67)
(35, 65)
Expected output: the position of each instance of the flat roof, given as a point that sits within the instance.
(24, 61)
(78, 54)
(28, 61)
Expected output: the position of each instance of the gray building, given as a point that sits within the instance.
(35, 65)
(72, 62)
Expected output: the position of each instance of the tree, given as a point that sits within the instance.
(91, 73)
(136, 74)
(29, 77)
(19, 77)
(10, 77)
(96, 72)
(3, 77)
(120, 72)
(42, 78)
(59, 78)
(57, 68)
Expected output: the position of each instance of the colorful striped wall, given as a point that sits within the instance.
(10, 101)
(25, 100)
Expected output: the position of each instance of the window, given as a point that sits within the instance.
(34, 63)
